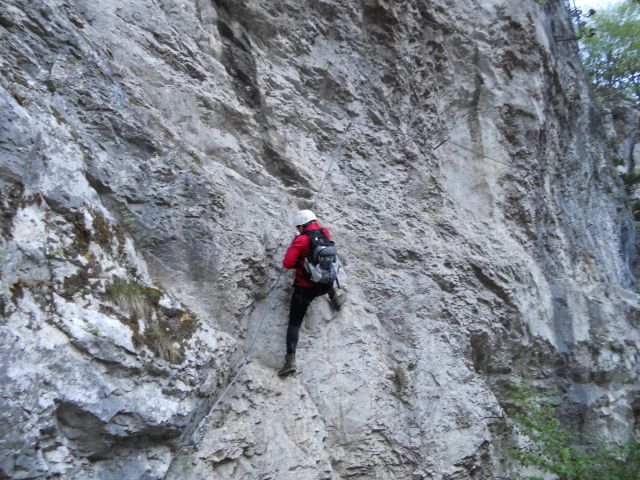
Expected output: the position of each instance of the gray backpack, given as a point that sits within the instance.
(321, 263)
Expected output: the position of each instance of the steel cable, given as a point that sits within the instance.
(191, 438)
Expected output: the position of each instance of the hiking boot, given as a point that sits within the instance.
(338, 300)
(289, 366)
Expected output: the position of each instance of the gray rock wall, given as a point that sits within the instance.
(152, 155)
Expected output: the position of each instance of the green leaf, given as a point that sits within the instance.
(611, 57)
(555, 449)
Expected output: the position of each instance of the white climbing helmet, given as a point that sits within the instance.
(303, 217)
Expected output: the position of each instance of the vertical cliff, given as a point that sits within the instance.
(152, 154)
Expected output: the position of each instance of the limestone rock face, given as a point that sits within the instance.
(152, 154)
(623, 119)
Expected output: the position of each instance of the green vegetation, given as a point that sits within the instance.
(161, 342)
(133, 297)
(187, 463)
(69, 291)
(554, 449)
(196, 157)
(93, 330)
(73, 284)
(166, 331)
(611, 56)
(102, 231)
(164, 328)
(630, 180)
(128, 218)
(55, 253)
(38, 287)
(81, 234)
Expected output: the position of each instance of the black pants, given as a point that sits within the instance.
(300, 301)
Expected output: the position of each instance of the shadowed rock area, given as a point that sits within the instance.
(152, 155)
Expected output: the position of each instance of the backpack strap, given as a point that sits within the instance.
(316, 235)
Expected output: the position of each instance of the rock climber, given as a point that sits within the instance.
(304, 290)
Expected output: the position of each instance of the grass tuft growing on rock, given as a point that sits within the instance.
(165, 328)
(137, 299)
(163, 344)
(73, 284)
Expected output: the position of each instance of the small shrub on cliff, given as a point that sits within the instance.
(630, 180)
(161, 342)
(195, 156)
(554, 449)
(133, 297)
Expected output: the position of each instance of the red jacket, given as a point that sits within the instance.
(297, 251)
